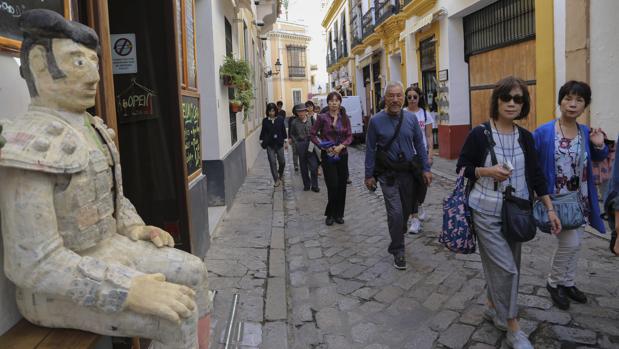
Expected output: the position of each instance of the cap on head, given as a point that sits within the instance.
(299, 107)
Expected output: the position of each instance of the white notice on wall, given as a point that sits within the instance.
(124, 56)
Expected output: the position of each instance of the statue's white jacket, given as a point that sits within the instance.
(61, 194)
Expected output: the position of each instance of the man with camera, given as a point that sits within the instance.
(393, 136)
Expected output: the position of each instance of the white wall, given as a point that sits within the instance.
(412, 64)
(604, 67)
(14, 99)
(211, 42)
(458, 83)
(395, 67)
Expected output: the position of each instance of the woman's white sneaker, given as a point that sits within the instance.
(415, 226)
(518, 340)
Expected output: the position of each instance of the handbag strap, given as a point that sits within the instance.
(396, 133)
(581, 160)
(491, 144)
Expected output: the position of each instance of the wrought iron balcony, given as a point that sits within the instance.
(331, 58)
(296, 71)
(355, 27)
(385, 9)
(368, 23)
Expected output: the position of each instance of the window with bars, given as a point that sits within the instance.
(296, 61)
(503, 23)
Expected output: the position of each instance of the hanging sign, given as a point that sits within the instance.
(124, 56)
(135, 102)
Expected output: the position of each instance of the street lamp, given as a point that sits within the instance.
(268, 73)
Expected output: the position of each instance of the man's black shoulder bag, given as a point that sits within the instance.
(382, 162)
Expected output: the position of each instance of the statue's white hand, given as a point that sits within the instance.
(158, 237)
(151, 295)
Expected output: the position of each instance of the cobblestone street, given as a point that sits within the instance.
(303, 284)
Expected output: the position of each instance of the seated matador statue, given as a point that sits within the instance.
(75, 247)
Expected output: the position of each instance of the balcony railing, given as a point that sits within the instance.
(385, 9)
(355, 28)
(296, 71)
(331, 58)
(368, 23)
(342, 49)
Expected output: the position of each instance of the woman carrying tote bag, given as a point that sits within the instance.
(566, 150)
(518, 168)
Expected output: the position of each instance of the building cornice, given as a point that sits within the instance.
(281, 34)
(332, 11)
(418, 8)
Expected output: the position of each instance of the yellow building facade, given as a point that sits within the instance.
(290, 80)
(452, 52)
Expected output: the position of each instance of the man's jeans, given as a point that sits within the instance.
(398, 194)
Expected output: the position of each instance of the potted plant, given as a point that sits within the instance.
(236, 105)
(246, 97)
(235, 72)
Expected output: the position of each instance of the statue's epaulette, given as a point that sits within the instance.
(40, 141)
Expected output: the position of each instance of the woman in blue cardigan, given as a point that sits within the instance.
(612, 206)
(558, 144)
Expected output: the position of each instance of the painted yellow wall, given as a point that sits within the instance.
(544, 57)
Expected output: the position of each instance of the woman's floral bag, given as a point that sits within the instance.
(457, 234)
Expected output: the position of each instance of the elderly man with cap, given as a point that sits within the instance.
(300, 134)
(75, 247)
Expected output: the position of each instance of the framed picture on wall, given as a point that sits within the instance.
(11, 11)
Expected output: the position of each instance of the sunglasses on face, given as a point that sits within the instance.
(412, 97)
(518, 99)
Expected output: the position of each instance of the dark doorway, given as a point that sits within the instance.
(149, 121)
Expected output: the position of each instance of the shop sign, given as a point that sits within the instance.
(443, 75)
(124, 56)
(136, 101)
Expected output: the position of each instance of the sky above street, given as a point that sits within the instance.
(311, 13)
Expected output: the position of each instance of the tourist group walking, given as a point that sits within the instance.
(512, 182)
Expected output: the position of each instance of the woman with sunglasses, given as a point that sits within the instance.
(566, 150)
(517, 167)
(416, 104)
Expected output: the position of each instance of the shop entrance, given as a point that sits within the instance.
(150, 133)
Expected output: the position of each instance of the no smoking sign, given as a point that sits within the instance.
(124, 58)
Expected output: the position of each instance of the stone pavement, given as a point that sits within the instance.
(343, 292)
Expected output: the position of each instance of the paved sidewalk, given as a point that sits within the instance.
(343, 292)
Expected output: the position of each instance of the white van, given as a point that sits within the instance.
(354, 109)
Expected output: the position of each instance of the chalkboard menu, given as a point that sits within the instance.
(11, 11)
(191, 116)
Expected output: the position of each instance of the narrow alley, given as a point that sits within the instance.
(302, 284)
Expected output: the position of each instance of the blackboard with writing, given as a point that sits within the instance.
(11, 11)
(191, 117)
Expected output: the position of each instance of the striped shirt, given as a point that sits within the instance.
(483, 197)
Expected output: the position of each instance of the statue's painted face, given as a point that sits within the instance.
(76, 91)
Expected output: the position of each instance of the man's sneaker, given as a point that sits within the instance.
(518, 340)
(421, 213)
(415, 226)
(575, 294)
(490, 315)
(559, 296)
(277, 183)
(399, 261)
